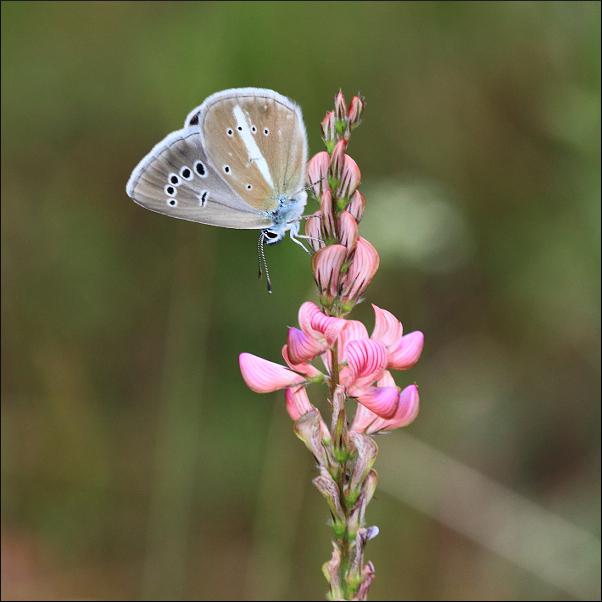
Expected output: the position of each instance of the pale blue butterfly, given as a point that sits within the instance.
(239, 162)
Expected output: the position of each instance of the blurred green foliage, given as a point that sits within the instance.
(135, 463)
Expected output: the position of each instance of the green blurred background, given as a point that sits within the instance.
(135, 463)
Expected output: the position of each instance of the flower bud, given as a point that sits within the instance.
(310, 428)
(326, 265)
(366, 451)
(356, 108)
(357, 205)
(362, 269)
(328, 128)
(326, 485)
(349, 179)
(317, 172)
(348, 231)
(337, 159)
(340, 106)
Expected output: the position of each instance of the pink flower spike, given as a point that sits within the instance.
(317, 172)
(305, 369)
(383, 401)
(326, 264)
(362, 269)
(297, 402)
(349, 179)
(340, 106)
(366, 362)
(348, 231)
(303, 348)
(357, 205)
(407, 410)
(407, 352)
(387, 328)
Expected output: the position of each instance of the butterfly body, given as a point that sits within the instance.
(239, 162)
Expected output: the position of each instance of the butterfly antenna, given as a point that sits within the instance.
(262, 262)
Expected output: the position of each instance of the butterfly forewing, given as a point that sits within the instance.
(256, 139)
(177, 179)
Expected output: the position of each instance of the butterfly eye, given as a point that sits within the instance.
(170, 190)
(174, 179)
(229, 131)
(186, 173)
(271, 235)
(226, 169)
(266, 131)
(199, 167)
(172, 202)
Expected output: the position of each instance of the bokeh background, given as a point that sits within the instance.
(136, 465)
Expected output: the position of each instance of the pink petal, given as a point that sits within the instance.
(366, 362)
(354, 331)
(314, 322)
(307, 370)
(348, 231)
(263, 376)
(317, 172)
(327, 264)
(361, 270)
(407, 352)
(363, 418)
(387, 328)
(408, 407)
(303, 348)
(297, 402)
(386, 380)
(383, 401)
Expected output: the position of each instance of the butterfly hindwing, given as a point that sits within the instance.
(177, 179)
(257, 139)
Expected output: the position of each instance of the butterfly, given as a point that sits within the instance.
(238, 162)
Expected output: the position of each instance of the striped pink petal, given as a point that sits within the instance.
(383, 401)
(407, 352)
(387, 328)
(366, 361)
(313, 229)
(305, 369)
(327, 211)
(354, 331)
(303, 348)
(315, 323)
(297, 402)
(407, 409)
(263, 376)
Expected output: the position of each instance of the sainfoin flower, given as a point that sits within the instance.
(353, 365)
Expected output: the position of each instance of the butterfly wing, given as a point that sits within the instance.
(257, 140)
(177, 179)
